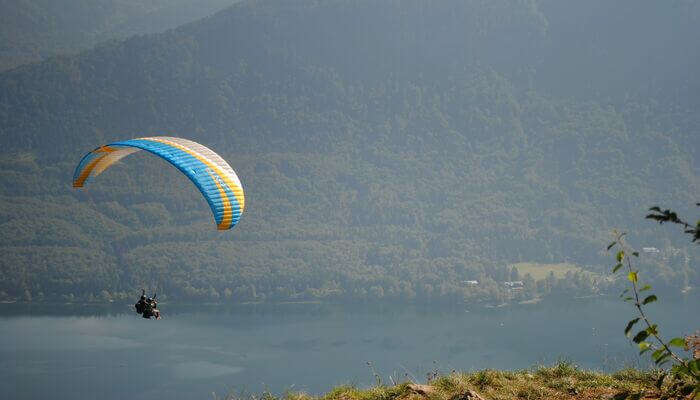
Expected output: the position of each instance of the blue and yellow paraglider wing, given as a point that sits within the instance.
(215, 179)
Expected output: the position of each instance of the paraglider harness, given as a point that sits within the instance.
(147, 306)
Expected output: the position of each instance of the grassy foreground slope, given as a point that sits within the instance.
(559, 382)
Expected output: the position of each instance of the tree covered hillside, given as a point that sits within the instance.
(33, 30)
(388, 150)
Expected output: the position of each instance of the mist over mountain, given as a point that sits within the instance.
(33, 30)
(388, 150)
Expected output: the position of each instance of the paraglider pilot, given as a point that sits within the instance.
(141, 304)
(147, 306)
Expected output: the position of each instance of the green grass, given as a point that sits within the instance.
(563, 380)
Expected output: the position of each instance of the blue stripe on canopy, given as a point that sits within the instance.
(197, 171)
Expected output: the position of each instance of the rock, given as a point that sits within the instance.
(424, 390)
(467, 395)
(427, 391)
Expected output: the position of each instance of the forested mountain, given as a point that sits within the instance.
(388, 150)
(32, 30)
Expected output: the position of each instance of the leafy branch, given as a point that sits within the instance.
(685, 373)
(651, 329)
(670, 216)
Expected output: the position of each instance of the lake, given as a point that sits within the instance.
(109, 352)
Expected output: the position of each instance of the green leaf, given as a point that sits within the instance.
(678, 342)
(620, 256)
(658, 353)
(663, 359)
(644, 346)
(649, 299)
(610, 246)
(694, 366)
(640, 336)
(636, 254)
(652, 330)
(630, 325)
(616, 267)
(646, 287)
(632, 276)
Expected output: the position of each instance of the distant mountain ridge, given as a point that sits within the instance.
(33, 30)
(388, 150)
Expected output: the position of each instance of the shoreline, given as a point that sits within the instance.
(441, 304)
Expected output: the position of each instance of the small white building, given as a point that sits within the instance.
(514, 284)
(650, 250)
(470, 283)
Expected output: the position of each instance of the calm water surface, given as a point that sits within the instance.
(66, 352)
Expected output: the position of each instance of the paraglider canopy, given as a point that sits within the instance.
(214, 178)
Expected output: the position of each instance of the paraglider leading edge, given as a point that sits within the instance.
(214, 178)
